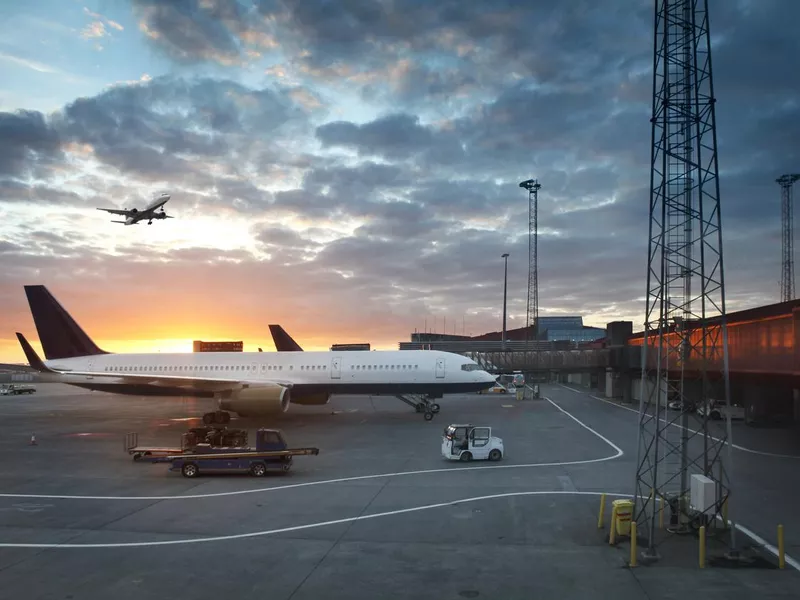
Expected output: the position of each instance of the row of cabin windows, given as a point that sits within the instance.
(383, 367)
(173, 369)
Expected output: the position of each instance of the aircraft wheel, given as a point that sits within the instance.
(222, 417)
(428, 416)
(435, 408)
(208, 419)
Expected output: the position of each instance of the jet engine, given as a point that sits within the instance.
(257, 401)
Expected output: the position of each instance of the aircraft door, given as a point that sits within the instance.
(440, 368)
(336, 367)
(89, 368)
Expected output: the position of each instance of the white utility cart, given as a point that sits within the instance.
(466, 442)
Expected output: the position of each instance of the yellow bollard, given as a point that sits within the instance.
(661, 514)
(612, 535)
(703, 547)
(781, 549)
(602, 511)
(633, 543)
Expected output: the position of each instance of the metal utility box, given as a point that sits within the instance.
(703, 495)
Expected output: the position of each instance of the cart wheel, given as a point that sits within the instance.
(434, 408)
(137, 455)
(258, 469)
(428, 416)
(466, 456)
(286, 467)
(189, 470)
(495, 454)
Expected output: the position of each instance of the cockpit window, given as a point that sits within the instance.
(470, 367)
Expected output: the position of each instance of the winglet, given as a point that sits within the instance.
(33, 359)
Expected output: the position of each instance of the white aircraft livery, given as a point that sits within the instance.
(246, 383)
(148, 213)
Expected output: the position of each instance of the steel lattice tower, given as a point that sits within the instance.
(787, 221)
(684, 354)
(532, 317)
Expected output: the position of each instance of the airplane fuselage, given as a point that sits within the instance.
(149, 213)
(309, 373)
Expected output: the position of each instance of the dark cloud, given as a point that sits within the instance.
(155, 128)
(165, 129)
(15, 191)
(25, 138)
(333, 190)
(194, 30)
(397, 136)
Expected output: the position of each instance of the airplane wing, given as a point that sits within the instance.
(209, 384)
(115, 211)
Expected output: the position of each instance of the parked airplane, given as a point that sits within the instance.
(148, 213)
(246, 383)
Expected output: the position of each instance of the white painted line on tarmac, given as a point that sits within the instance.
(239, 536)
(570, 389)
(585, 426)
(224, 538)
(633, 410)
(752, 535)
(618, 453)
(773, 550)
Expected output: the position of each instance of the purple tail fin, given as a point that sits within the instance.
(59, 334)
(283, 341)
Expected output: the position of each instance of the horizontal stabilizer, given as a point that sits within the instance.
(33, 359)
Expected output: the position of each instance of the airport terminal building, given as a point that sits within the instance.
(551, 329)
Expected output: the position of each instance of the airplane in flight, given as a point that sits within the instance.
(245, 383)
(148, 213)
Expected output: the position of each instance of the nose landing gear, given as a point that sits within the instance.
(421, 404)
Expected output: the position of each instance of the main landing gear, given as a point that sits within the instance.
(422, 404)
(219, 417)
